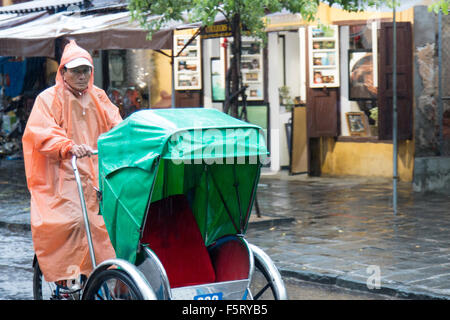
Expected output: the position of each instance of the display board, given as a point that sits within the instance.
(187, 64)
(323, 45)
(252, 68)
(299, 146)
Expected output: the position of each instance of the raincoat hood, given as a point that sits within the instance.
(73, 51)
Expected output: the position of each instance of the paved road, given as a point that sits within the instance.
(339, 228)
(16, 275)
(16, 257)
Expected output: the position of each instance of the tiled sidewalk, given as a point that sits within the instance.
(345, 232)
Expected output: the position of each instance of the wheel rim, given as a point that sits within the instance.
(261, 285)
(113, 285)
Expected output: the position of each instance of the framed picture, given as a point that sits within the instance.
(323, 46)
(217, 80)
(116, 67)
(361, 75)
(357, 124)
(187, 64)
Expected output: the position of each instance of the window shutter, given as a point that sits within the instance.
(322, 111)
(404, 81)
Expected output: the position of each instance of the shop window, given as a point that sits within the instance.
(361, 97)
(368, 97)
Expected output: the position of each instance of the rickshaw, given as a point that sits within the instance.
(176, 190)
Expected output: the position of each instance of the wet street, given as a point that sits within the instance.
(16, 247)
(16, 250)
(345, 227)
(16, 257)
(331, 231)
(16, 275)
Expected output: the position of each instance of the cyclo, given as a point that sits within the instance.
(177, 188)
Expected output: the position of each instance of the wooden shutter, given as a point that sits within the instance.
(188, 99)
(404, 81)
(322, 111)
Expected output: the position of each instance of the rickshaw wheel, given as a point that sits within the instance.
(43, 290)
(262, 287)
(112, 284)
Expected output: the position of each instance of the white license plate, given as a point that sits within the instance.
(210, 296)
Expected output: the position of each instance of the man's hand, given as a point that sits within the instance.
(81, 150)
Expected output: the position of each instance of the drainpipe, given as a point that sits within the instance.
(440, 107)
(394, 116)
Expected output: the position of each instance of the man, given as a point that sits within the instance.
(66, 120)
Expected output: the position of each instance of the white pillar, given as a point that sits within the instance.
(274, 82)
(206, 58)
(345, 103)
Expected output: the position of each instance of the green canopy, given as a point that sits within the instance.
(212, 158)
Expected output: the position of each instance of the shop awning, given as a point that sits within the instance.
(94, 31)
(9, 20)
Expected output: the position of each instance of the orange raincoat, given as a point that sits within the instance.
(59, 120)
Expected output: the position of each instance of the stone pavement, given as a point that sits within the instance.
(339, 231)
(345, 233)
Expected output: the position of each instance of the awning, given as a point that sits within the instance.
(9, 20)
(40, 5)
(94, 31)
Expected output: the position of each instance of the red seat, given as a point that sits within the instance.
(230, 259)
(173, 234)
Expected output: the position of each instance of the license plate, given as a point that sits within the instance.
(210, 296)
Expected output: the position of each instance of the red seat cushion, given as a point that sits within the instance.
(172, 233)
(230, 260)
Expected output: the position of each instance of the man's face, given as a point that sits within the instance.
(78, 78)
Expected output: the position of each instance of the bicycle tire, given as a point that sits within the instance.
(39, 283)
(105, 280)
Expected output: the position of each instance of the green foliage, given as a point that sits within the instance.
(441, 5)
(251, 12)
(374, 114)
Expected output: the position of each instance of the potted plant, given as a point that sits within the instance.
(285, 97)
(374, 116)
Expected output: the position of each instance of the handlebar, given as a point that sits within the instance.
(83, 207)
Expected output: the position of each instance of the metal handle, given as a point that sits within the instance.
(84, 209)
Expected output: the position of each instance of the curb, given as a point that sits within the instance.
(339, 281)
(269, 222)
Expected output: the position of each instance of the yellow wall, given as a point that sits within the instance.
(366, 158)
(163, 75)
(329, 15)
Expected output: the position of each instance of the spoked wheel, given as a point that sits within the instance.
(112, 284)
(266, 282)
(262, 287)
(43, 290)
